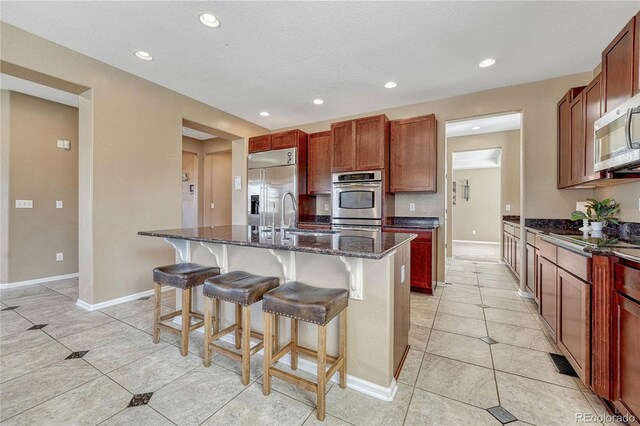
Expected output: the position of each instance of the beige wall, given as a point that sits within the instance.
(481, 213)
(537, 101)
(130, 159)
(41, 172)
(628, 195)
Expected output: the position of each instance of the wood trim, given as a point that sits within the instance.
(601, 326)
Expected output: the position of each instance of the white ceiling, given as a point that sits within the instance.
(486, 124)
(9, 82)
(478, 159)
(196, 134)
(279, 56)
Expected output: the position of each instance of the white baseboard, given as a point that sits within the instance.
(525, 294)
(112, 302)
(493, 243)
(386, 394)
(38, 281)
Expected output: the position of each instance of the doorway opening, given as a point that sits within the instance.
(206, 177)
(483, 184)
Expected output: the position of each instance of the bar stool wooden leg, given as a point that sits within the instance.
(246, 344)
(294, 347)
(238, 325)
(322, 373)
(216, 317)
(343, 348)
(186, 321)
(266, 379)
(157, 312)
(276, 333)
(208, 307)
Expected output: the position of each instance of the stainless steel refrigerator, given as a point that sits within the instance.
(270, 175)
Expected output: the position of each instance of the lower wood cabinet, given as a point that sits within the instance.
(574, 322)
(531, 271)
(548, 306)
(424, 259)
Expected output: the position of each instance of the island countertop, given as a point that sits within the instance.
(363, 244)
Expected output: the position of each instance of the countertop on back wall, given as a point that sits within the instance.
(407, 222)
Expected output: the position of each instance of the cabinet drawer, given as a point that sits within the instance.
(578, 265)
(531, 238)
(627, 281)
(509, 229)
(546, 249)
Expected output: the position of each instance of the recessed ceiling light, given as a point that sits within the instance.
(487, 63)
(318, 101)
(145, 56)
(475, 128)
(264, 114)
(390, 84)
(209, 20)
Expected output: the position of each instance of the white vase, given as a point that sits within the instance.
(596, 226)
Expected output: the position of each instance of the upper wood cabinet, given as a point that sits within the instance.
(319, 164)
(413, 154)
(289, 139)
(620, 68)
(592, 99)
(260, 143)
(361, 144)
(343, 146)
(570, 114)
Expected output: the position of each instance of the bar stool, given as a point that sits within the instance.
(243, 289)
(302, 302)
(183, 276)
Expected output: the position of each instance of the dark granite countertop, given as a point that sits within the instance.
(512, 219)
(364, 244)
(408, 222)
(617, 241)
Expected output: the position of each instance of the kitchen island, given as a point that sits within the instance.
(373, 266)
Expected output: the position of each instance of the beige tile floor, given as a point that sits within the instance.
(451, 376)
(475, 251)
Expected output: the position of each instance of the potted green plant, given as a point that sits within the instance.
(601, 213)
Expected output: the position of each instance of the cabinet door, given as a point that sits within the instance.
(619, 72)
(319, 166)
(564, 142)
(505, 247)
(626, 347)
(547, 275)
(577, 141)
(574, 325)
(260, 143)
(282, 140)
(536, 281)
(413, 154)
(516, 256)
(343, 146)
(531, 267)
(421, 267)
(371, 138)
(592, 111)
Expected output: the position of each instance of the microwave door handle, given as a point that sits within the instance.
(631, 144)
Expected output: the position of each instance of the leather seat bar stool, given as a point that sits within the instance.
(242, 289)
(183, 276)
(302, 302)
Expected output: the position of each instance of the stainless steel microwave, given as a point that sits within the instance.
(617, 137)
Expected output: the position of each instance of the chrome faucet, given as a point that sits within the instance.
(295, 206)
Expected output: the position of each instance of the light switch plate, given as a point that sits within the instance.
(59, 256)
(237, 183)
(58, 204)
(212, 205)
(24, 204)
(508, 207)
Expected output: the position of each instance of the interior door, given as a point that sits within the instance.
(189, 189)
(217, 191)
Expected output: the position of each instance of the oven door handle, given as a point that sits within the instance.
(631, 144)
(348, 185)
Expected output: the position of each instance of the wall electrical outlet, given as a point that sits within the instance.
(402, 276)
(59, 256)
(58, 204)
(508, 207)
(474, 232)
(326, 207)
(412, 207)
(212, 205)
(24, 204)
(63, 144)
